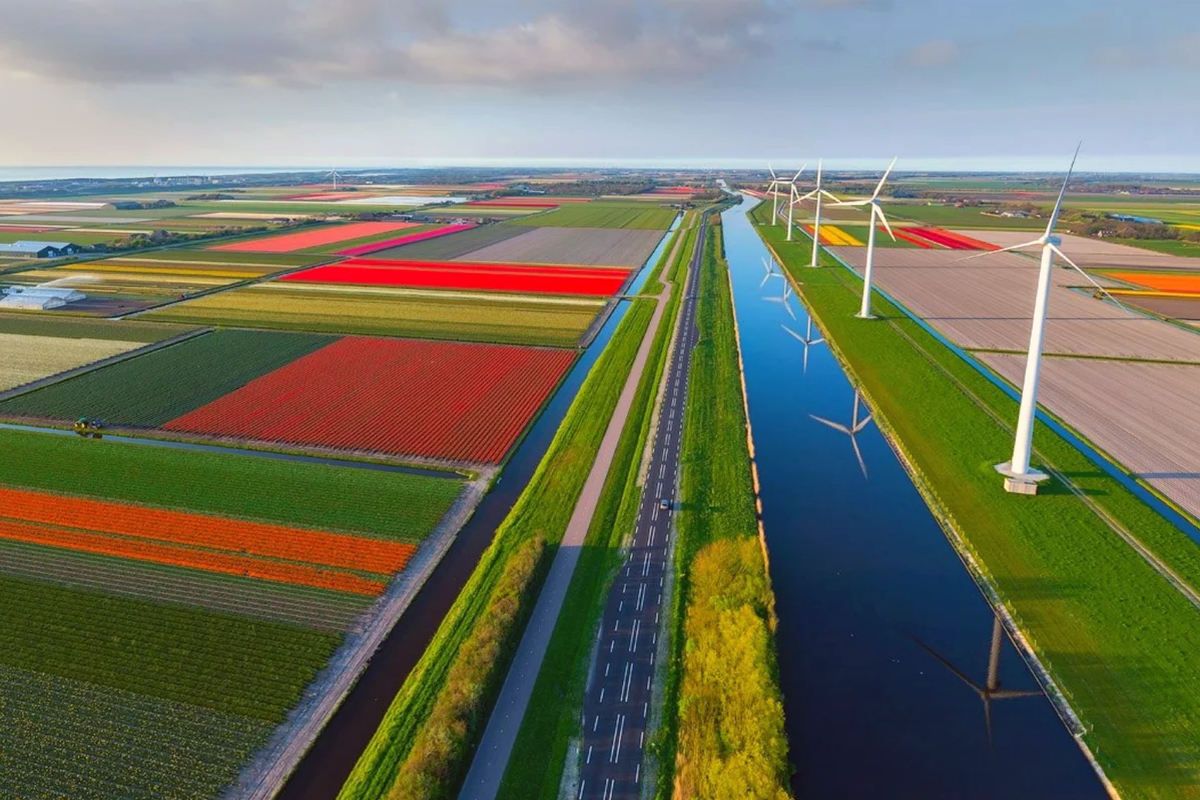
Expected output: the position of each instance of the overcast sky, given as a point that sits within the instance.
(944, 83)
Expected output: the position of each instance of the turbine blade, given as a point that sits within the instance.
(830, 196)
(1063, 191)
(957, 672)
(796, 177)
(987, 721)
(858, 454)
(879, 188)
(810, 195)
(837, 426)
(774, 177)
(1009, 694)
(819, 173)
(985, 253)
(883, 219)
(848, 203)
(793, 334)
(1089, 278)
(764, 280)
(862, 424)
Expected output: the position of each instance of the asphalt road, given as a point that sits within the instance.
(491, 757)
(617, 706)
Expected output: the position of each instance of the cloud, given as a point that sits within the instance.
(315, 42)
(936, 53)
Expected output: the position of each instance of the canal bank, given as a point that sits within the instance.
(883, 635)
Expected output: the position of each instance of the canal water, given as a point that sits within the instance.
(884, 639)
(327, 764)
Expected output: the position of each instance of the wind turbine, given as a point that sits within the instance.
(333, 173)
(990, 690)
(776, 184)
(807, 340)
(769, 266)
(783, 298)
(876, 211)
(1019, 478)
(852, 430)
(817, 193)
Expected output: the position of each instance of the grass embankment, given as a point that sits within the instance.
(1117, 638)
(722, 732)
(543, 510)
(536, 766)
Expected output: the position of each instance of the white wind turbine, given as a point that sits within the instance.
(852, 430)
(876, 213)
(778, 183)
(1019, 478)
(817, 193)
(807, 340)
(771, 272)
(333, 173)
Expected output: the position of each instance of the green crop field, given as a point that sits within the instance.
(509, 319)
(1115, 635)
(951, 217)
(602, 215)
(67, 328)
(280, 260)
(1172, 247)
(151, 389)
(385, 504)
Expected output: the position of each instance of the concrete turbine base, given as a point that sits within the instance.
(1020, 482)
(866, 316)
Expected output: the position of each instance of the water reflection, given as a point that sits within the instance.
(852, 430)
(807, 340)
(991, 689)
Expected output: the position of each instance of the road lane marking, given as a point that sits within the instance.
(589, 758)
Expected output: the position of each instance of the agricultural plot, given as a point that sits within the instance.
(114, 289)
(592, 247)
(1094, 252)
(400, 241)
(988, 303)
(1178, 283)
(312, 238)
(446, 401)
(151, 389)
(387, 311)
(24, 359)
(960, 218)
(469, 276)
(603, 215)
(70, 328)
(446, 248)
(1184, 309)
(267, 262)
(133, 666)
(1143, 415)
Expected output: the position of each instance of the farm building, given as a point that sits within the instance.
(28, 249)
(38, 298)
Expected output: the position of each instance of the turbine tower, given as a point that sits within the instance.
(807, 340)
(852, 430)
(1019, 477)
(778, 183)
(817, 193)
(990, 690)
(876, 212)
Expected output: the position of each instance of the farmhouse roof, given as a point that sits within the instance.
(33, 247)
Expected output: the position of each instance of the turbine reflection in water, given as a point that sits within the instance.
(852, 430)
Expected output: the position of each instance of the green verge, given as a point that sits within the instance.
(1117, 638)
(1173, 247)
(544, 509)
(152, 389)
(384, 504)
(722, 608)
(536, 765)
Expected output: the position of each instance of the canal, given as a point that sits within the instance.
(884, 638)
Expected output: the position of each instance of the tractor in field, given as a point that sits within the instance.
(89, 428)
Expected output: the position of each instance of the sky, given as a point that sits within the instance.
(944, 84)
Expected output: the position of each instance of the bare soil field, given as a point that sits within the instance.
(1186, 309)
(458, 245)
(987, 303)
(1143, 415)
(591, 247)
(1093, 252)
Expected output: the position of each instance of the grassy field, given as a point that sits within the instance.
(602, 215)
(280, 260)
(152, 389)
(552, 719)
(951, 217)
(457, 245)
(1172, 247)
(543, 510)
(505, 320)
(384, 504)
(1117, 638)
